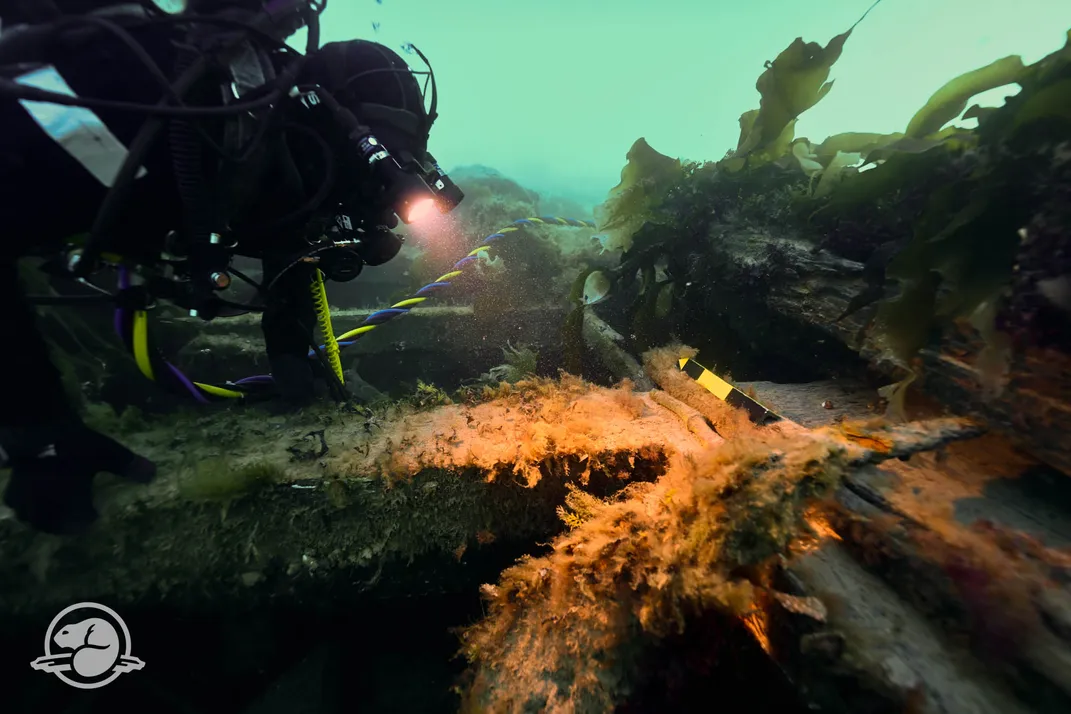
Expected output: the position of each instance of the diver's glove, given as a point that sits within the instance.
(52, 469)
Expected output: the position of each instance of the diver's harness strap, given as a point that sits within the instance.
(207, 192)
(208, 47)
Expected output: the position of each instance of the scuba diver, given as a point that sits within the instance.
(153, 142)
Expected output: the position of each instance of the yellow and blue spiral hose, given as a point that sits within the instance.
(425, 293)
(131, 323)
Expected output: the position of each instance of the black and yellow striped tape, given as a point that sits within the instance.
(727, 392)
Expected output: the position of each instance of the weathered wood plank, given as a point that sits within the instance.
(892, 652)
(246, 507)
(811, 292)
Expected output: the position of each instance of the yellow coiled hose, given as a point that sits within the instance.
(323, 317)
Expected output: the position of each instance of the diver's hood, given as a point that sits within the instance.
(378, 86)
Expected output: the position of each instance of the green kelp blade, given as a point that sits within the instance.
(646, 177)
(573, 341)
(907, 321)
(852, 142)
(664, 303)
(1050, 102)
(805, 157)
(952, 137)
(644, 323)
(747, 124)
(950, 101)
(898, 170)
(792, 84)
(977, 111)
(832, 173)
(573, 326)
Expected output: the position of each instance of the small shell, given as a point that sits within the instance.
(827, 404)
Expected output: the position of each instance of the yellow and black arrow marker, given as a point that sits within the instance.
(727, 392)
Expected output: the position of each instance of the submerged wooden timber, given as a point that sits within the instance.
(906, 588)
(797, 314)
(935, 583)
(899, 583)
(248, 505)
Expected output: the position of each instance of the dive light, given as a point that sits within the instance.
(448, 193)
(407, 193)
(413, 192)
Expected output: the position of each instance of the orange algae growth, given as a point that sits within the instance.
(519, 431)
(662, 366)
(562, 630)
(861, 435)
(641, 566)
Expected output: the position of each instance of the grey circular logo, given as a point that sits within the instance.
(87, 645)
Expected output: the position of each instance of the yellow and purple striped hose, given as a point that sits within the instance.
(132, 324)
(132, 327)
(401, 307)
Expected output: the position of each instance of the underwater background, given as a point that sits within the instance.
(553, 93)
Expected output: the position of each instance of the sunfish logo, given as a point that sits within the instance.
(97, 643)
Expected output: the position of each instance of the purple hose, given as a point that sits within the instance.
(255, 378)
(124, 283)
(119, 320)
(187, 383)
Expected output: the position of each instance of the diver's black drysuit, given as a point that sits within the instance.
(49, 192)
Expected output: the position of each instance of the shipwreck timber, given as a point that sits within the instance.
(432, 499)
(883, 597)
(436, 498)
(249, 505)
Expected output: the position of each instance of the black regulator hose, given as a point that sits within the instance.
(187, 164)
(108, 215)
(109, 212)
